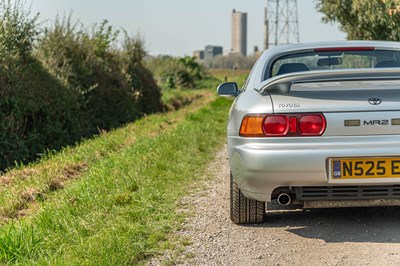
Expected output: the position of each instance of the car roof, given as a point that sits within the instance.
(332, 44)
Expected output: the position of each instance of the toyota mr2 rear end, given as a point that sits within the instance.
(316, 125)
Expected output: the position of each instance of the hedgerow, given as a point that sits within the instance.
(64, 82)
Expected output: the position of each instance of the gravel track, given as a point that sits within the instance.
(364, 236)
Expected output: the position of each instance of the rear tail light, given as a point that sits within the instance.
(311, 125)
(252, 126)
(276, 125)
(290, 125)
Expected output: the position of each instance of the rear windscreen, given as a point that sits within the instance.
(327, 60)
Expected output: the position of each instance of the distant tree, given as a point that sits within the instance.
(364, 19)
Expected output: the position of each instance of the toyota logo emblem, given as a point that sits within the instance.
(374, 101)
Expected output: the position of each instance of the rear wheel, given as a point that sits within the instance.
(244, 210)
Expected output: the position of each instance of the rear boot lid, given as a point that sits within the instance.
(350, 107)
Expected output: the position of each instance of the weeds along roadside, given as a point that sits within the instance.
(121, 206)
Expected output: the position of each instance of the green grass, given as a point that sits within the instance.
(174, 99)
(209, 82)
(113, 199)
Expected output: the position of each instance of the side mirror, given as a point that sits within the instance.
(228, 89)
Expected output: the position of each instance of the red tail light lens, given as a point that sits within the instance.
(288, 125)
(276, 125)
(311, 125)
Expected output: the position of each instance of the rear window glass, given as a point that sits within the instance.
(312, 61)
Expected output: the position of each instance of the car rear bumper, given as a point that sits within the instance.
(260, 165)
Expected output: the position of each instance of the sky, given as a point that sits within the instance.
(178, 27)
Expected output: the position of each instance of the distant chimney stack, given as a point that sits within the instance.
(239, 32)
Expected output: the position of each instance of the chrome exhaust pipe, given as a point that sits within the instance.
(284, 199)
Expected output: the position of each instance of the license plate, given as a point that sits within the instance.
(351, 168)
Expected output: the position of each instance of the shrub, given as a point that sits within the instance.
(18, 30)
(68, 84)
(36, 112)
(144, 87)
(172, 72)
(88, 63)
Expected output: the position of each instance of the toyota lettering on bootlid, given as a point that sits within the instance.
(289, 105)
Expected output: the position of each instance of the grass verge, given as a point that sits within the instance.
(173, 99)
(22, 188)
(119, 204)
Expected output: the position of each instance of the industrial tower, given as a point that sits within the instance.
(281, 23)
(239, 32)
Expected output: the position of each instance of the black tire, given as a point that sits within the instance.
(244, 210)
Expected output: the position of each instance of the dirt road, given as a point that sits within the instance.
(288, 237)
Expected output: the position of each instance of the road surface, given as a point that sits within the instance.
(364, 236)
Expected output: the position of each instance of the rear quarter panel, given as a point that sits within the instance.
(248, 102)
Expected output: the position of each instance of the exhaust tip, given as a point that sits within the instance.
(284, 199)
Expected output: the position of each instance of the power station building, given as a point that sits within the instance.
(239, 32)
(211, 51)
(199, 54)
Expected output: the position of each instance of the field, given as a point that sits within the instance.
(112, 199)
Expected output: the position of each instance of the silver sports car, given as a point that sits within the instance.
(316, 125)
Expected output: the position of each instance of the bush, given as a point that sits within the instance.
(144, 87)
(113, 85)
(68, 84)
(36, 112)
(172, 72)
(18, 30)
